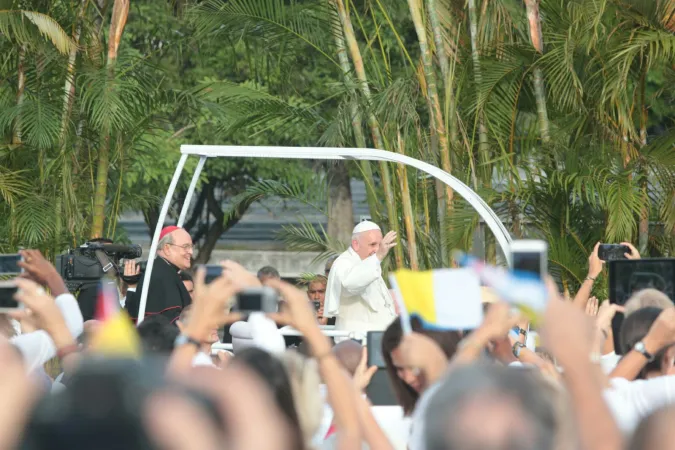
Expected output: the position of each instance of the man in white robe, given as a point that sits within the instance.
(356, 293)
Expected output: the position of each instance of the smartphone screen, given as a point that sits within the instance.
(10, 263)
(527, 262)
(249, 301)
(7, 297)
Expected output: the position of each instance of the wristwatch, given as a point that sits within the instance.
(640, 348)
(184, 339)
(517, 347)
(519, 330)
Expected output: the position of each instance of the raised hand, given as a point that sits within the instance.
(592, 307)
(38, 269)
(595, 264)
(388, 242)
(363, 373)
(131, 269)
(42, 309)
(662, 332)
(634, 253)
(299, 313)
(236, 272)
(606, 313)
(210, 305)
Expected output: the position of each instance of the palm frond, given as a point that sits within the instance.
(14, 24)
(305, 237)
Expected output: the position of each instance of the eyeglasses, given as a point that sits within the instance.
(186, 247)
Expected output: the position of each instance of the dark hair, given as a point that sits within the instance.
(272, 371)
(157, 335)
(633, 329)
(268, 272)
(391, 339)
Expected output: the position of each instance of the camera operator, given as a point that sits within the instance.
(167, 294)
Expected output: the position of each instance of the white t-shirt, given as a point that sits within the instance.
(631, 401)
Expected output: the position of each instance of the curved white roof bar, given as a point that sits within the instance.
(368, 154)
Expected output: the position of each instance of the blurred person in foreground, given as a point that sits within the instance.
(203, 358)
(167, 295)
(481, 406)
(356, 293)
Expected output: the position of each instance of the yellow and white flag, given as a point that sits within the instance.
(447, 299)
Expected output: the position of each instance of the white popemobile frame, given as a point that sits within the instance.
(364, 154)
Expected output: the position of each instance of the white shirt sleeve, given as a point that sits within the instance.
(631, 401)
(37, 347)
(608, 362)
(361, 275)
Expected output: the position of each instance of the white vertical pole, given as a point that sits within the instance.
(155, 238)
(191, 191)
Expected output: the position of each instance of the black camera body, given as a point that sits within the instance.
(84, 264)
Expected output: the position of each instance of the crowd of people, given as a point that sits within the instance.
(492, 387)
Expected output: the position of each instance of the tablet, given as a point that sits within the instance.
(627, 276)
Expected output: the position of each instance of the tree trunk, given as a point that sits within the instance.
(359, 137)
(20, 88)
(119, 18)
(438, 130)
(408, 214)
(68, 187)
(536, 37)
(372, 123)
(340, 208)
(643, 227)
(482, 130)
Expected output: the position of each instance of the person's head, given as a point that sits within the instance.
(189, 284)
(634, 329)
(184, 320)
(407, 383)
(175, 245)
(490, 406)
(366, 239)
(157, 335)
(349, 354)
(655, 432)
(329, 264)
(268, 273)
(272, 371)
(316, 290)
(646, 298)
(304, 376)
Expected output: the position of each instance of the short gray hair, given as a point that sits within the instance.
(166, 240)
(478, 386)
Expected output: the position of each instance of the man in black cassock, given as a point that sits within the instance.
(167, 295)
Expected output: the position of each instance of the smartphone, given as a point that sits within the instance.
(317, 306)
(374, 347)
(7, 301)
(529, 256)
(10, 263)
(612, 252)
(263, 299)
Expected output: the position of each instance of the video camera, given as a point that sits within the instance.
(92, 260)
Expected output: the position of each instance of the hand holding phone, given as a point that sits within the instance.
(612, 252)
(10, 264)
(262, 299)
(8, 303)
(529, 256)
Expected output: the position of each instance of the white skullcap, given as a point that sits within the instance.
(366, 225)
